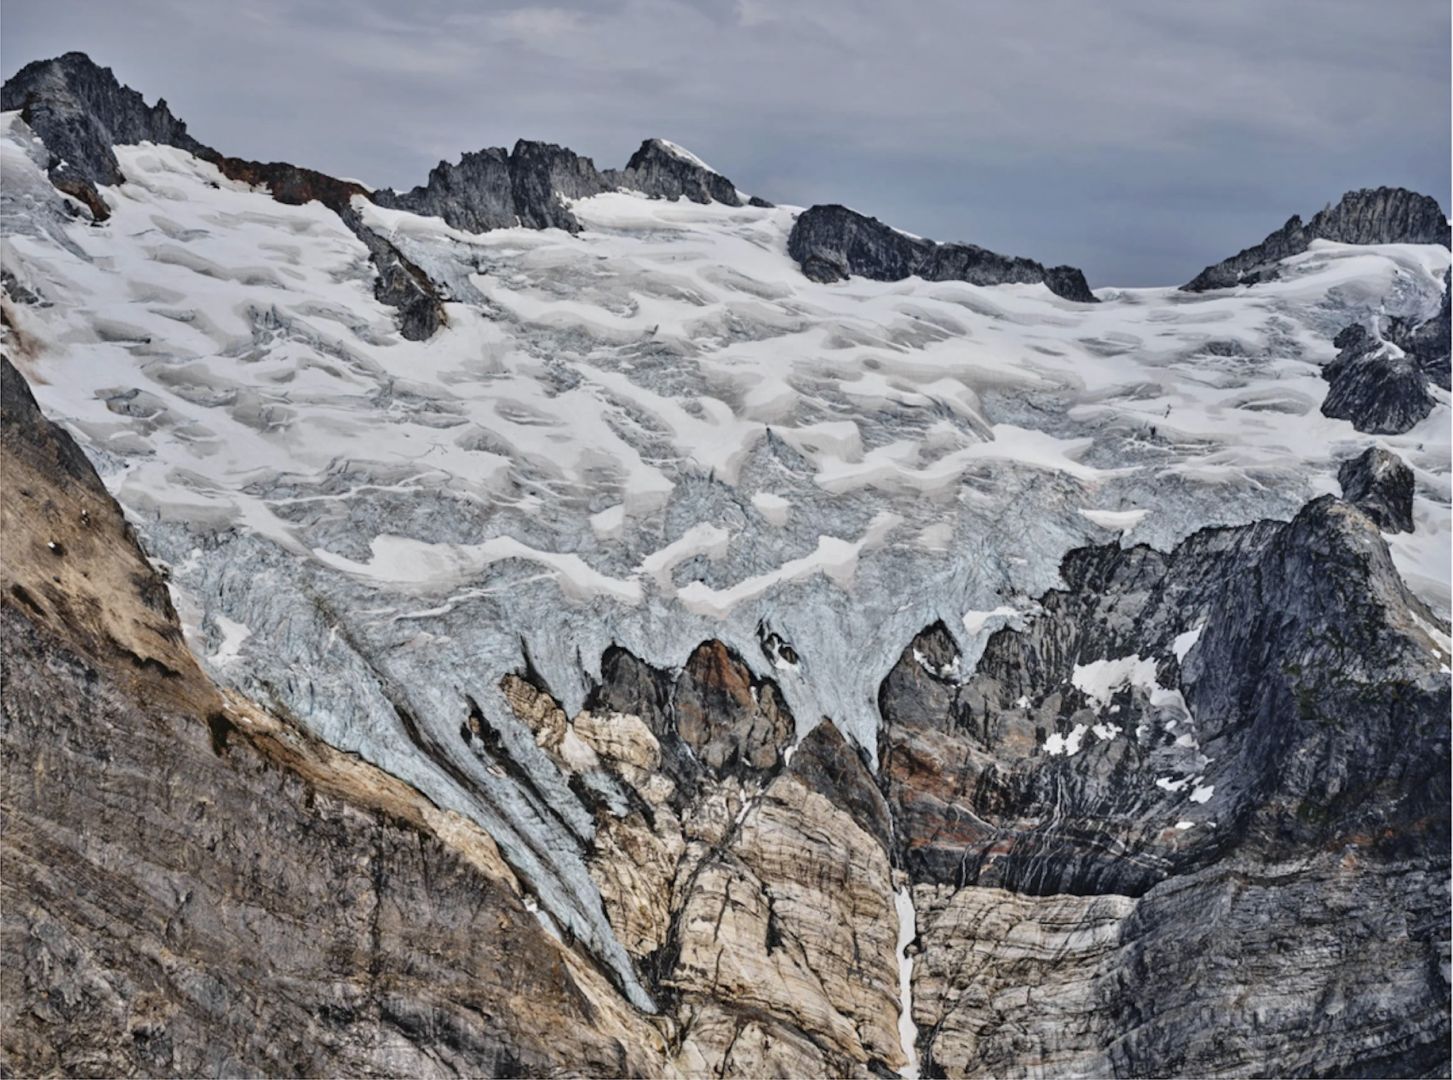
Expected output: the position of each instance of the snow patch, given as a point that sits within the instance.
(1067, 745)
(907, 1029)
(233, 635)
(1184, 642)
(773, 507)
(1115, 520)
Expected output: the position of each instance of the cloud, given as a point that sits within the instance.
(1138, 138)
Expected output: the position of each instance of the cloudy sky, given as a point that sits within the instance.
(1139, 139)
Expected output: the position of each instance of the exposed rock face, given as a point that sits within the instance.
(81, 111)
(1131, 772)
(1369, 216)
(664, 171)
(756, 896)
(832, 243)
(193, 887)
(495, 189)
(1382, 391)
(1380, 484)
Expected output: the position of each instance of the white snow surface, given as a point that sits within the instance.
(907, 1029)
(651, 433)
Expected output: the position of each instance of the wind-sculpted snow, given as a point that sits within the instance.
(652, 433)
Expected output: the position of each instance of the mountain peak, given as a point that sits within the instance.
(1381, 215)
(663, 169)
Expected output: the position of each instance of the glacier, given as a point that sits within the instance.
(649, 433)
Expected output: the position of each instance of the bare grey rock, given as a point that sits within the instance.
(494, 189)
(1263, 705)
(832, 243)
(1380, 484)
(1370, 216)
(663, 171)
(1380, 390)
(80, 111)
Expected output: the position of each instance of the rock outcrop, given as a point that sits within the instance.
(498, 189)
(1381, 390)
(1380, 484)
(80, 110)
(664, 170)
(1127, 781)
(194, 887)
(753, 887)
(832, 243)
(1370, 216)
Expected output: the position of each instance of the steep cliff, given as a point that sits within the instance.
(1213, 782)
(192, 886)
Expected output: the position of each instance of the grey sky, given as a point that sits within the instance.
(1138, 139)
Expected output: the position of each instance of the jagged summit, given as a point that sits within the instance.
(1384, 215)
(663, 169)
(81, 111)
(496, 189)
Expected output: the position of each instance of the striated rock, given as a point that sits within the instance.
(1380, 484)
(1380, 390)
(193, 887)
(664, 170)
(756, 899)
(832, 243)
(1369, 216)
(1167, 729)
(542, 176)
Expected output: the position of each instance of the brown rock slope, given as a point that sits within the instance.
(192, 887)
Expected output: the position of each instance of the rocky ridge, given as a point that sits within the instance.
(81, 111)
(1382, 215)
(831, 243)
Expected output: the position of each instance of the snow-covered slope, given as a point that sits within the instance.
(654, 432)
